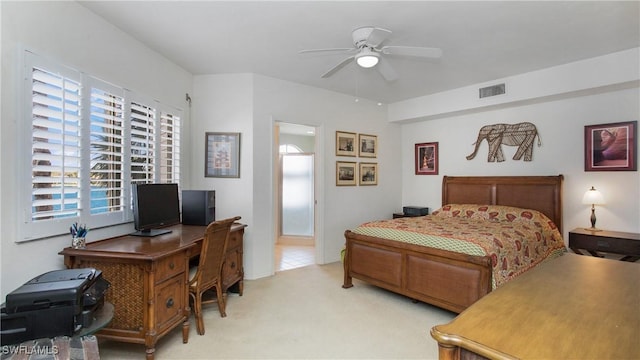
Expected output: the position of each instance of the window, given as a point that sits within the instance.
(169, 148)
(289, 149)
(55, 145)
(143, 143)
(88, 141)
(106, 136)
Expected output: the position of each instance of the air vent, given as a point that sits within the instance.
(492, 91)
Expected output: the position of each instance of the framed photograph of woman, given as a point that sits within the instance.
(426, 158)
(346, 143)
(346, 173)
(368, 173)
(368, 145)
(611, 147)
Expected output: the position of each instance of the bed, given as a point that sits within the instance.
(452, 268)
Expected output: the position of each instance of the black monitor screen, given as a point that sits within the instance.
(154, 207)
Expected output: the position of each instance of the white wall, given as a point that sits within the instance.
(560, 124)
(560, 101)
(71, 35)
(216, 97)
(340, 207)
(224, 103)
(616, 70)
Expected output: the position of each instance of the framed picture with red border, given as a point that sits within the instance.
(426, 158)
(611, 147)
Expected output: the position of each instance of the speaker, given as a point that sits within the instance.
(198, 207)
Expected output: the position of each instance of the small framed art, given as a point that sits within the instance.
(368, 145)
(426, 158)
(611, 147)
(345, 143)
(368, 173)
(345, 173)
(222, 155)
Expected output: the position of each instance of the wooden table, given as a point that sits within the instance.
(149, 280)
(572, 307)
(616, 242)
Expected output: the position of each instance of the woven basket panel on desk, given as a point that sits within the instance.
(126, 293)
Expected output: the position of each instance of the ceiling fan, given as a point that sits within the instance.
(369, 51)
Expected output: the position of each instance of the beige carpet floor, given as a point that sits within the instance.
(303, 314)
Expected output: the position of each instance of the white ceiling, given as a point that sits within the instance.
(481, 41)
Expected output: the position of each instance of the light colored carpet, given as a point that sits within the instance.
(303, 314)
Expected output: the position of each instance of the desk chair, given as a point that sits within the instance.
(208, 273)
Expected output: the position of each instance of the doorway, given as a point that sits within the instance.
(295, 241)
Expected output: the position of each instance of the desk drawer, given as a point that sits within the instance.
(170, 266)
(232, 270)
(235, 240)
(169, 302)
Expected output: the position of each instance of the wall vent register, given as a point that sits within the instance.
(492, 91)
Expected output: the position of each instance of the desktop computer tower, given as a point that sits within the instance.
(198, 207)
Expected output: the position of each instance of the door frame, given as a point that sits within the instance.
(319, 185)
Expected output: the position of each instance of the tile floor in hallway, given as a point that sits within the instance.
(294, 256)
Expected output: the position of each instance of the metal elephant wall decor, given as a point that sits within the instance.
(521, 135)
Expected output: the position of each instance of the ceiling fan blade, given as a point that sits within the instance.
(338, 67)
(387, 72)
(412, 51)
(377, 36)
(326, 50)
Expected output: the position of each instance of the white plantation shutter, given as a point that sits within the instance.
(85, 142)
(107, 151)
(55, 145)
(169, 148)
(143, 143)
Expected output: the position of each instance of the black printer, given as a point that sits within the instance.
(56, 303)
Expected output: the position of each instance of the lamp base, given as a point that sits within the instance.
(593, 219)
(592, 229)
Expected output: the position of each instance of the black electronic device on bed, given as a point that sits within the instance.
(415, 210)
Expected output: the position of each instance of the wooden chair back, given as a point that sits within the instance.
(214, 247)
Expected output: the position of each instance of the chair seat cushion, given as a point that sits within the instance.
(192, 274)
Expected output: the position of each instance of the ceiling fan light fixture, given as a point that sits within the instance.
(367, 58)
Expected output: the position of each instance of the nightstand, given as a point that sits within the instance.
(623, 243)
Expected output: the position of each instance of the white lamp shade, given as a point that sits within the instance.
(367, 58)
(593, 197)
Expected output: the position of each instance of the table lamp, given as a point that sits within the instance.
(593, 197)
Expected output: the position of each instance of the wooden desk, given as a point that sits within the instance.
(149, 277)
(573, 307)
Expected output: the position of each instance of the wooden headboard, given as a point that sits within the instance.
(542, 193)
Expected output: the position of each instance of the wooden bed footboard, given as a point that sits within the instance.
(449, 280)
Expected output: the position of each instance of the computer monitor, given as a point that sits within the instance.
(155, 206)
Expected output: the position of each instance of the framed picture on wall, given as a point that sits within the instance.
(222, 155)
(611, 147)
(368, 145)
(368, 173)
(426, 158)
(345, 173)
(346, 143)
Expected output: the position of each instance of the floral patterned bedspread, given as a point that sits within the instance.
(516, 239)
